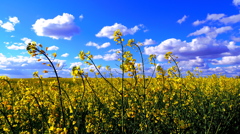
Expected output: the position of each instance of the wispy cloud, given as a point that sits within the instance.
(231, 19)
(19, 45)
(211, 31)
(15, 47)
(104, 45)
(210, 17)
(107, 57)
(180, 21)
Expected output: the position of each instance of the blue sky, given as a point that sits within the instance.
(202, 33)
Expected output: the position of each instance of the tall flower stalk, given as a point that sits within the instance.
(34, 50)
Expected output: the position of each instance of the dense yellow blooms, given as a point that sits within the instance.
(102, 108)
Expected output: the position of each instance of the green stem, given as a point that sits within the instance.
(59, 87)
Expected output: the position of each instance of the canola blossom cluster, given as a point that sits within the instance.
(164, 102)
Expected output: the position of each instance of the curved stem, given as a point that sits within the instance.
(103, 76)
(59, 87)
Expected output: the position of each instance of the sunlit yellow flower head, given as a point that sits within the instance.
(167, 55)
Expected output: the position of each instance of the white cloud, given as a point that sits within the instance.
(231, 19)
(180, 21)
(97, 57)
(14, 47)
(6, 43)
(104, 45)
(236, 39)
(108, 31)
(203, 30)
(232, 46)
(56, 28)
(65, 55)
(76, 57)
(109, 57)
(202, 46)
(227, 60)
(192, 63)
(75, 64)
(23, 66)
(19, 45)
(149, 42)
(81, 17)
(198, 22)
(53, 48)
(214, 16)
(211, 31)
(14, 20)
(114, 50)
(26, 40)
(210, 17)
(236, 2)
(8, 26)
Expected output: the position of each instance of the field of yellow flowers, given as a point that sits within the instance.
(162, 103)
(204, 105)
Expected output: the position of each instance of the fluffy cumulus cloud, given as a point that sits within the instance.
(149, 42)
(236, 2)
(97, 57)
(227, 60)
(202, 46)
(53, 48)
(26, 40)
(9, 25)
(65, 55)
(104, 45)
(180, 21)
(192, 63)
(109, 57)
(108, 31)
(75, 64)
(60, 27)
(14, 20)
(230, 71)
